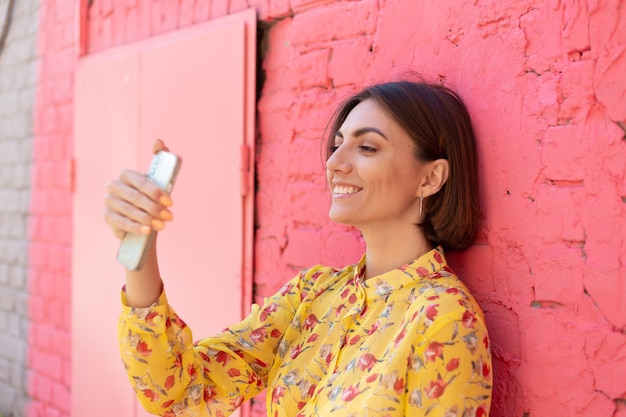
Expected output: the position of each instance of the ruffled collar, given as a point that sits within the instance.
(431, 265)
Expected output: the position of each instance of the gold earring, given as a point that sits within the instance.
(421, 205)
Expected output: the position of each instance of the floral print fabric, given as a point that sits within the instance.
(410, 342)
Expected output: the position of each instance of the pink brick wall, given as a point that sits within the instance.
(545, 85)
(50, 225)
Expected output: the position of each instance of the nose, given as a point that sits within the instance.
(339, 161)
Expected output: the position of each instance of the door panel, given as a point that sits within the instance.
(106, 125)
(193, 89)
(197, 108)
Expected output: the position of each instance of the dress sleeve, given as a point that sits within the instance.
(450, 371)
(173, 376)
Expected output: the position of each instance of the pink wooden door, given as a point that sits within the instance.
(195, 89)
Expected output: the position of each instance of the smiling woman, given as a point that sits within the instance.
(431, 123)
(396, 334)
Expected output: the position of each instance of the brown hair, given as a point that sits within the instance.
(437, 120)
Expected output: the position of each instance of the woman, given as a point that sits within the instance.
(396, 334)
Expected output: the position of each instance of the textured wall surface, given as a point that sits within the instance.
(544, 81)
(50, 224)
(18, 70)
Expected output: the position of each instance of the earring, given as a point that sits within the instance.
(421, 205)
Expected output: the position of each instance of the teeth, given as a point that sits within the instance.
(342, 189)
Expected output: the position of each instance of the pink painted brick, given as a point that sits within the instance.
(170, 10)
(553, 353)
(347, 246)
(106, 28)
(564, 151)
(278, 9)
(348, 20)
(236, 6)
(312, 113)
(66, 367)
(144, 9)
(118, 19)
(267, 257)
(63, 287)
(557, 263)
(346, 56)
(219, 8)
(61, 397)
(601, 352)
(608, 291)
(94, 39)
(301, 5)
(303, 248)
(131, 26)
(38, 255)
(47, 365)
(105, 7)
(63, 227)
(185, 14)
(314, 63)
(34, 409)
(201, 10)
(600, 405)
(482, 283)
(308, 206)
(156, 17)
(577, 90)
(37, 308)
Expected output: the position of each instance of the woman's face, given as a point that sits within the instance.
(373, 174)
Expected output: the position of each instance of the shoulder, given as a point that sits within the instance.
(445, 299)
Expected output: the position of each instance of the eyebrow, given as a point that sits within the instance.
(362, 131)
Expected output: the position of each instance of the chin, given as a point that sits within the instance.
(341, 218)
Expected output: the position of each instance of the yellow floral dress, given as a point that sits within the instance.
(410, 342)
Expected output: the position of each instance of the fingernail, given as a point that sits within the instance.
(145, 230)
(166, 215)
(158, 224)
(166, 201)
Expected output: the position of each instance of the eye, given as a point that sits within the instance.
(336, 144)
(367, 149)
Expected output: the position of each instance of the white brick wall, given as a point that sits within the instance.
(18, 72)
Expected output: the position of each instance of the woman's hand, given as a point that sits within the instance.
(135, 204)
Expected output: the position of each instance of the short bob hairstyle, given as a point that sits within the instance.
(437, 120)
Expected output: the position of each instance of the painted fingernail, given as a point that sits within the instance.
(166, 215)
(165, 200)
(145, 230)
(158, 224)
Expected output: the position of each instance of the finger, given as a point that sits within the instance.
(136, 206)
(159, 145)
(121, 225)
(141, 183)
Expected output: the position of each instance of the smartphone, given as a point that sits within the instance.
(134, 247)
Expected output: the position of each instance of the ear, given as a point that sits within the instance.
(435, 176)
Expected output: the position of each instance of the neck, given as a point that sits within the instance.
(390, 249)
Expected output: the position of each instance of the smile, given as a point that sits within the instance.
(345, 190)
